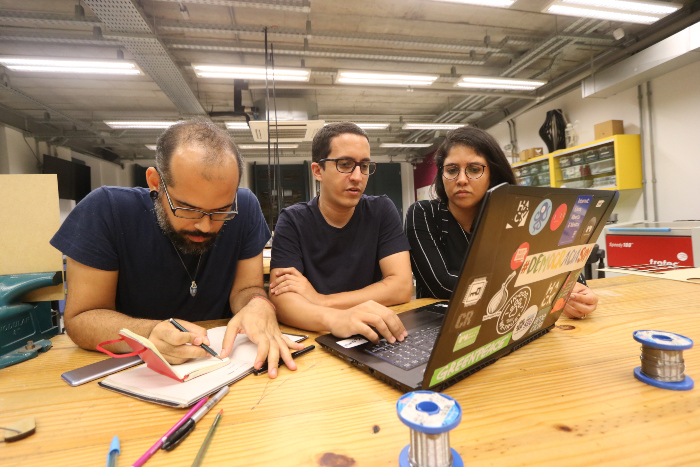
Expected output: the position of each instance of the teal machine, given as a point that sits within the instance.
(25, 328)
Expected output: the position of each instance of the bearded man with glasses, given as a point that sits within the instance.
(189, 248)
(339, 260)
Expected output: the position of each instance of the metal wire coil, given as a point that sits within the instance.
(429, 450)
(663, 365)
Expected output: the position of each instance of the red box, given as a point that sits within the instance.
(633, 250)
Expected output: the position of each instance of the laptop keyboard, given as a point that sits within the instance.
(412, 352)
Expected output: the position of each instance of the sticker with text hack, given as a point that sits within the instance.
(466, 338)
(575, 219)
(521, 213)
(475, 291)
(540, 217)
(558, 217)
(352, 342)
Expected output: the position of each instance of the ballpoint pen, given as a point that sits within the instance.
(147, 455)
(202, 345)
(182, 432)
(205, 445)
(114, 450)
(296, 354)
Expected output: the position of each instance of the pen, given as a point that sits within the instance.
(296, 354)
(147, 455)
(114, 451)
(182, 432)
(205, 445)
(205, 347)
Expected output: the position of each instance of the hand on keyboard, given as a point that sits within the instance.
(358, 319)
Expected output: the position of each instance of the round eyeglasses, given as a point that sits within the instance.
(472, 171)
(188, 213)
(347, 166)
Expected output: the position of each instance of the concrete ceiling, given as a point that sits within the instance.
(416, 36)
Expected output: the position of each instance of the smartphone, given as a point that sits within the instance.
(97, 370)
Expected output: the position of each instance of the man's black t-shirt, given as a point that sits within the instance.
(115, 229)
(338, 260)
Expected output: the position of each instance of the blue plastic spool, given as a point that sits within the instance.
(664, 341)
(430, 413)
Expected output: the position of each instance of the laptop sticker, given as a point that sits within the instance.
(499, 299)
(475, 291)
(352, 342)
(600, 203)
(455, 366)
(466, 338)
(565, 291)
(519, 256)
(524, 322)
(463, 320)
(521, 213)
(558, 217)
(575, 219)
(540, 217)
(590, 226)
(551, 292)
(514, 308)
(542, 266)
(539, 319)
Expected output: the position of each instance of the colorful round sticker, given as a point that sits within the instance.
(513, 310)
(558, 217)
(540, 217)
(524, 322)
(519, 256)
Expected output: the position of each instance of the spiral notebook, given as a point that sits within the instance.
(143, 383)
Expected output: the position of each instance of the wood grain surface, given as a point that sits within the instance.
(569, 398)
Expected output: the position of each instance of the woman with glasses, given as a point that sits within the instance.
(469, 162)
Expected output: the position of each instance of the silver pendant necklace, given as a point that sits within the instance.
(193, 287)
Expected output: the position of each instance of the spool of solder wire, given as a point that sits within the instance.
(662, 360)
(430, 416)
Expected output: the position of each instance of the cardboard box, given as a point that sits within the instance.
(607, 129)
(529, 153)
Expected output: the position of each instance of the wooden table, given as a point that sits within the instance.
(567, 399)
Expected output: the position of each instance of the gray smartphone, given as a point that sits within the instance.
(99, 369)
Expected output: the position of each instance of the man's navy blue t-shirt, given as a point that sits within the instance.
(338, 260)
(116, 229)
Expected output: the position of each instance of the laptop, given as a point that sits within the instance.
(528, 248)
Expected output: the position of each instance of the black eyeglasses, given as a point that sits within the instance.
(187, 213)
(347, 166)
(473, 171)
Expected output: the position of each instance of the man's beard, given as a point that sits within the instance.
(178, 237)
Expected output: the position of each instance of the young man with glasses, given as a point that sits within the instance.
(189, 249)
(339, 260)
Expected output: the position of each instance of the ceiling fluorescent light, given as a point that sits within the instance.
(494, 3)
(405, 145)
(433, 126)
(237, 126)
(151, 125)
(653, 8)
(369, 126)
(251, 73)
(385, 79)
(515, 84)
(116, 67)
(152, 147)
(558, 8)
(264, 146)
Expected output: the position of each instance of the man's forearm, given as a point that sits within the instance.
(90, 328)
(242, 297)
(294, 310)
(389, 291)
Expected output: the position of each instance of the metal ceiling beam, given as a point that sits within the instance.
(48, 18)
(218, 46)
(302, 6)
(11, 34)
(123, 17)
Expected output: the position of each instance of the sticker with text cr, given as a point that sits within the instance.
(539, 320)
(540, 217)
(499, 299)
(513, 309)
(575, 219)
(352, 342)
(588, 230)
(519, 256)
(475, 291)
(524, 322)
(466, 338)
(456, 366)
(521, 213)
(464, 319)
(558, 217)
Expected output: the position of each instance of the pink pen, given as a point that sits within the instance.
(147, 455)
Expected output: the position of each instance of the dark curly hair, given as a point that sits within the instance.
(484, 145)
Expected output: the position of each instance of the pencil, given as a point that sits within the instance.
(205, 444)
